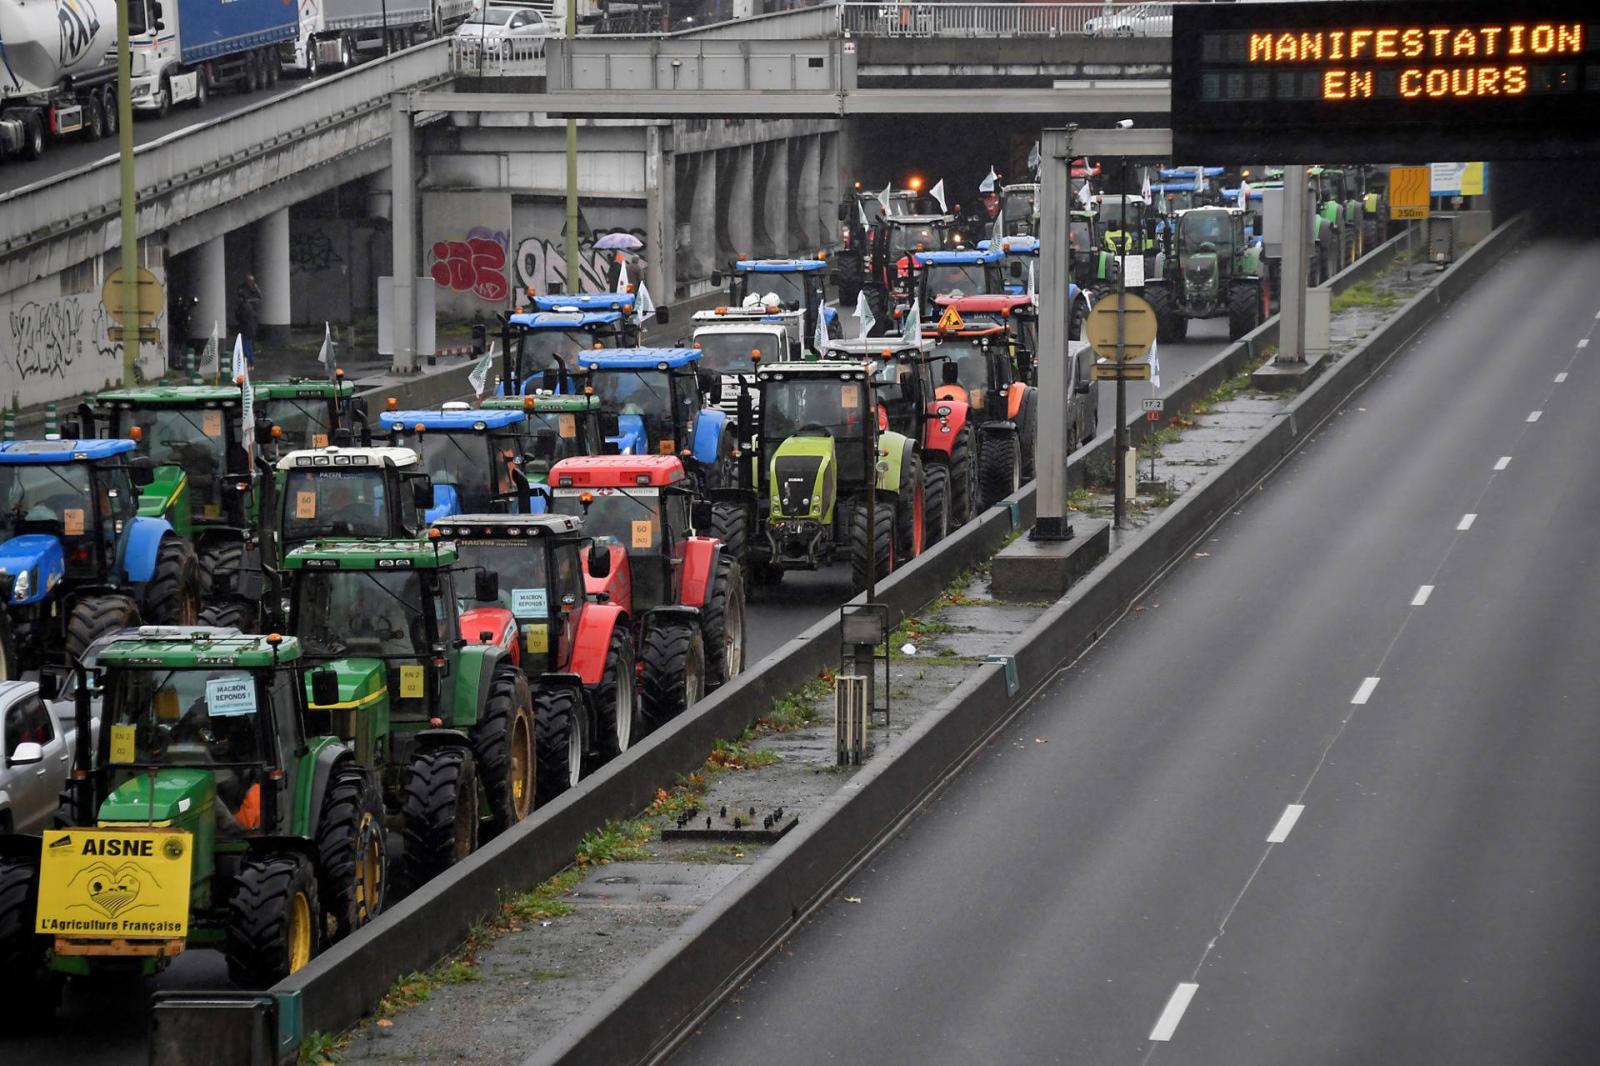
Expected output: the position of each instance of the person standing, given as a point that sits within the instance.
(247, 316)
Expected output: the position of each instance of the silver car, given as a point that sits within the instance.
(36, 743)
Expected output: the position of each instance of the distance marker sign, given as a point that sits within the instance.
(1371, 79)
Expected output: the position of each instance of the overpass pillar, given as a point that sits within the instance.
(775, 212)
(830, 179)
(703, 216)
(209, 285)
(741, 201)
(807, 184)
(272, 274)
(660, 226)
(403, 237)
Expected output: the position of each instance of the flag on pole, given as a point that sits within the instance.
(862, 209)
(821, 339)
(1155, 368)
(912, 333)
(1144, 189)
(937, 192)
(326, 356)
(211, 358)
(864, 314)
(247, 396)
(987, 184)
(1084, 194)
(643, 306)
(622, 277)
(479, 378)
(1034, 158)
(1032, 287)
(883, 197)
(1244, 195)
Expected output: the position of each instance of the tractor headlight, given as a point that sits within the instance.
(23, 585)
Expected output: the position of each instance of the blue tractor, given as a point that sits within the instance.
(473, 457)
(77, 560)
(653, 402)
(958, 273)
(558, 330)
(799, 284)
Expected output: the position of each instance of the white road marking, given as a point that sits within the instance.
(1422, 595)
(1466, 522)
(1172, 1014)
(1585, 342)
(1364, 693)
(1505, 461)
(1291, 815)
(1533, 416)
(1561, 377)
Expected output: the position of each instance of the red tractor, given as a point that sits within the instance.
(578, 655)
(682, 594)
(979, 371)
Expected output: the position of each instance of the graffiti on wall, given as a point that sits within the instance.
(475, 264)
(542, 261)
(51, 338)
(312, 250)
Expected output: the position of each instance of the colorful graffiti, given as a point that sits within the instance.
(475, 264)
(542, 261)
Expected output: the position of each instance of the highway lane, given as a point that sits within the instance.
(1433, 899)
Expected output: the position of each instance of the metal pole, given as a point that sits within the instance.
(1296, 244)
(1119, 496)
(573, 283)
(402, 308)
(1055, 380)
(130, 206)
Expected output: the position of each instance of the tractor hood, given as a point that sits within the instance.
(34, 562)
(618, 584)
(802, 475)
(161, 498)
(180, 795)
(361, 682)
(1200, 270)
(497, 622)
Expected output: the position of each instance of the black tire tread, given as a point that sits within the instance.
(997, 462)
(557, 722)
(434, 779)
(257, 948)
(349, 795)
(92, 617)
(30, 994)
(173, 593)
(935, 504)
(669, 649)
(726, 586)
(491, 743)
(619, 658)
(871, 542)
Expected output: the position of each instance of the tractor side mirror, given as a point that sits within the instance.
(662, 316)
(27, 754)
(747, 419)
(141, 470)
(844, 212)
(324, 688)
(157, 17)
(49, 685)
(263, 430)
(716, 278)
(422, 494)
(485, 586)
(949, 373)
(550, 380)
(599, 561)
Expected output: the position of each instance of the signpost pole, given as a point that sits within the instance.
(1119, 495)
(1055, 383)
(129, 205)
(1292, 301)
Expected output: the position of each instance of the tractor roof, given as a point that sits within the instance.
(464, 526)
(346, 457)
(960, 256)
(429, 554)
(560, 320)
(175, 395)
(987, 305)
(297, 388)
(780, 266)
(917, 220)
(470, 418)
(1019, 245)
(772, 328)
(542, 403)
(177, 647)
(639, 358)
(616, 471)
(20, 452)
(874, 347)
(832, 368)
(744, 314)
(585, 301)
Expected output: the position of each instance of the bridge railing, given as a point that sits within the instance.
(892, 19)
(509, 57)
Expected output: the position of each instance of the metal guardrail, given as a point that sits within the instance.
(512, 57)
(38, 212)
(801, 23)
(890, 19)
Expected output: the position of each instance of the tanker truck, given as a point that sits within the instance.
(182, 49)
(337, 33)
(57, 73)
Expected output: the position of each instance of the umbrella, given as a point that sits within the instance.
(625, 242)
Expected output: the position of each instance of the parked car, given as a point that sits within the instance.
(1132, 20)
(507, 31)
(36, 742)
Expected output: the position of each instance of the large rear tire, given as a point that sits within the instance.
(503, 743)
(92, 617)
(1244, 309)
(616, 700)
(1028, 431)
(999, 468)
(730, 523)
(1160, 299)
(29, 991)
(273, 920)
(871, 542)
(674, 674)
(722, 625)
(440, 812)
(561, 740)
(935, 504)
(910, 511)
(172, 595)
(352, 853)
(963, 479)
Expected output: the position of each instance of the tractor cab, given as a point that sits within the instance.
(351, 494)
(968, 272)
(1211, 270)
(799, 285)
(658, 396)
(473, 457)
(310, 412)
(901, 376)
(975, 367)
(735, 349)
(1019, 210)
(1017, 317)
(557, 426)
(1121, 215)
(540, 341)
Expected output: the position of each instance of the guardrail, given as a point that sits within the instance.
(41, 211)
(1006, 20)
(509, 57)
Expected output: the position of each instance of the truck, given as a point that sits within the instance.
(335, 34)
(59, 78)
(182, 49)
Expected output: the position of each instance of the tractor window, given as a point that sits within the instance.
(547, 349)
(895, 390)
(45, 496)
(569, 578)
(956, 279)
(729, 353)
(27, 722)
(193, 439)
(1080, 237)
(679, 522)
(117, 495)
(461, 460)
(1018, 206)
(645, 397)
(190, 717)
(305, 422)
(325, 502)
(361, 612)
(555, 435)
(524, 580)
(813, 405)
(971, 360)
(631, 518)
(1204, 232)
(903, 240)
(686, 401)
(789, 288)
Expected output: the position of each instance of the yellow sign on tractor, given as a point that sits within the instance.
(950, 321)
(115, 884)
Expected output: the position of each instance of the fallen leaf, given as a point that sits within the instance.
(852, 899)
(1202, 555)
(1040, 740)
(385, 1023)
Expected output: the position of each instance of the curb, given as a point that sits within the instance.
(640, 1017)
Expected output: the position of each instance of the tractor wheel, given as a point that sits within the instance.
(963, 479)
(871, 543)
(1244, 310)
(674, 675)
(30, 991)
(722, 625)
(730, 523)
(440, 813)
(910, 511)
(92, 617)
(935, 504)
(1159, 297)
(999, 468)
(272, 920)
(616, 701)
(221, 557)
(240, 616)
(561, 742)
(352, 853)
(172, 595)
(502, 745)
(1028, 431)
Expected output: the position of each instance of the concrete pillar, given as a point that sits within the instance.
(1055, 377)
(775, 213)
(703, 217)
(806, 185)
(659, 223)
(272, 274)
(1296, 244)
(208, 283)
(739, 198)
(830, 185)
(403, 230)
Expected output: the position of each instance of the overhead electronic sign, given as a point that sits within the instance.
(1379, 81)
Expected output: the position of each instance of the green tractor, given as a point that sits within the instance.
(312, 412)
(205, 818)
(206, 482)
(1338, 204)
(559, 425)
(1208, 270)
(448, 725)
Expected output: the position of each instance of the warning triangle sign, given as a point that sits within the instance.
(950, 321)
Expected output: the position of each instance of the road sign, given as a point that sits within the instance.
(1100, 328)
(147, 334)
(1409, 188)
(1152, 416)
(1106, 370)
(152, 298)
(1153, 404)
(950, 321)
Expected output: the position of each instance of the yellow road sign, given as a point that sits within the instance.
(152, 297)
(950, 322)
(101, 884)
(1108, 370)
(1409, 189)
(1139, 327)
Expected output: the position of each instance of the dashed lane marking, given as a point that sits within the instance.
(1533, 416)
(1422, 595)
(1364, 693)
(1504, 461)
(1561, 377)
(1172, 1014)
(1291, 815)
(1466, 522)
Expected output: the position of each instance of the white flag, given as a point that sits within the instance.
(864, 314)
(247, 398)
(821, 340)
(1244, 195)
(1144, 189)
(622, 278)
(1032, 287)
(325, 356)
(241, 365)
(643, 306)
(883, 197)
(211, 358)
(987, 184)
(912, 333)
(862, 208)
(1084, 195)
(937, 192)
(1034, 158)
(479, 378)
(1155, 368)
